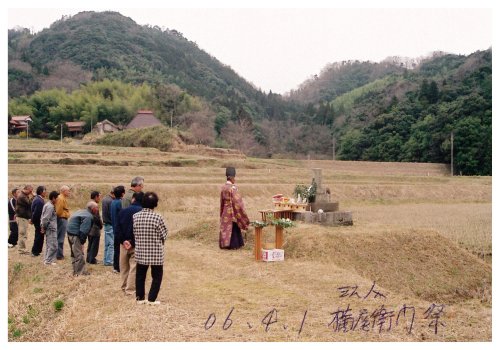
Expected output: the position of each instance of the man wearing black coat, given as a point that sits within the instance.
(13, 235)
(23, 216)
(124, 235)
(36, 214)
(95, 232)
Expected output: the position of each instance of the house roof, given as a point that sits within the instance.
(105, 121)
(20, 121)
(21, 118)
(75, 124)
(143, 119)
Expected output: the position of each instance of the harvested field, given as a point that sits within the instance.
(420, 239)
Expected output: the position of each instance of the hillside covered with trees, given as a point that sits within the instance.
(411, 116)
(96, 66)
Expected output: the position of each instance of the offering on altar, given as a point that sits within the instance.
(290, 206)
(277, 197)
(282, 202)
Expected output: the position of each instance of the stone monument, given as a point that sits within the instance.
(323, 210)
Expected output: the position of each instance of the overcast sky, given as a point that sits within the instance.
(277, 48)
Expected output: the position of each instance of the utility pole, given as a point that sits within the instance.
(333, 147)
(61, 132)
(172, 115)
(27, 129)
(452, 153)
(91, 129)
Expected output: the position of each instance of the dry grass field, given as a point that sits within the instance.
(423, 237)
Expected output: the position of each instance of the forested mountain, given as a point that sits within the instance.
(107, 45)
(96, 66)
(410, 117)
(341, 77)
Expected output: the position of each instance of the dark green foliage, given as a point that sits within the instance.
(472, 146)
(448, 94)
(21, 83)
(112, 100)
(58, 305)
(429, 92)
(341, 77)
(440, 65)
(306, 192)
(221, 120)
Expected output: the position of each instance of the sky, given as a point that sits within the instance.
(279, 48)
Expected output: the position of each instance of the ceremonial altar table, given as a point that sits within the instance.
(282, 210)
(258, 240)
(278, 230)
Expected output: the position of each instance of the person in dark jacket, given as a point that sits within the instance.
(125, 236)
(23, 216)
(13, 235)
(79, 225)
(36, 214)
(116, 206)
(95, 232)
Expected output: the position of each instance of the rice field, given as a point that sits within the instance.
(420, 238)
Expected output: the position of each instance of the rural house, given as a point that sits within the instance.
(19, 123)
(143, 119)
(105, 127)
(75, 128)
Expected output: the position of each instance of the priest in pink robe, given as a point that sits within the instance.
(233, 217)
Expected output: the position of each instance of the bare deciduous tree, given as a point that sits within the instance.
(203, 131)
(240, 136)
(65, 75)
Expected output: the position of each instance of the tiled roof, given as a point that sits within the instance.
(75, 124)
(21, 118)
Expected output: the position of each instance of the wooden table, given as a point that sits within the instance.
(276, 213)
(258, 241)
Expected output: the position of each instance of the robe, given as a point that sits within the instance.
(231, 210)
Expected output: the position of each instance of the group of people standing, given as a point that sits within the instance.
(134, 235)
(49, 219)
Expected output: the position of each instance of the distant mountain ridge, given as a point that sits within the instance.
(338, 78)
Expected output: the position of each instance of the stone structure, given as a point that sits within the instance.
(329, 218)
(323, 211)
